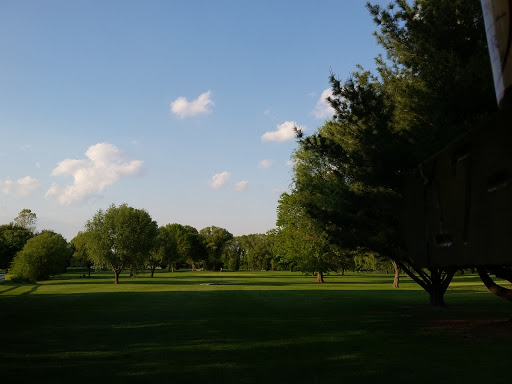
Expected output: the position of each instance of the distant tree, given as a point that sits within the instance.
(165, 250)
(214, 239)
(42, 256)
(189, 246)
(26, 219)
(120, 237)
(81, 257)
(234, 252)
(258, 251)
(12, 240)
(302, 242)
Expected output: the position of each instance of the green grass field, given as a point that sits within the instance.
(254, 327)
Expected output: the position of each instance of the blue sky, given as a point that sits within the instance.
(183, 108)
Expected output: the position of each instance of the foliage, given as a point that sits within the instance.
(12, 240)
(42, 256)
(165, 249)
(26, 219)
(301, 241)
(214, 239)
(189, 246)
(120, 237)
(80, 257)
(234, 253)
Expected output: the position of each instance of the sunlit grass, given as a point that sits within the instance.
(253, 327)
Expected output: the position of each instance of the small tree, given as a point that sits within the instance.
(165, 250)
(121, 237)
(44, 255)
(81, 256)
(26, 219)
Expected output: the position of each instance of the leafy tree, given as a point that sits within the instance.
(213, 239)
(433, 84)
(234, 252)
(81, 257)
(120, 237)
(302, 241)
(42, 256)
(26, 219)
(189, 246)
(259, 251)
(12, 240)
(165, 249)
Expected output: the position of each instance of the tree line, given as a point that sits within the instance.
(125, 238)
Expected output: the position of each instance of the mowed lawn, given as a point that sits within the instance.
(254, 327)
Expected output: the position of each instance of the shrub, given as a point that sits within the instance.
(42, 256)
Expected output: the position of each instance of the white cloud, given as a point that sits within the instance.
(284, 132)
(38, 165)
(241, 186)
(26, 147)
(53, 190)
(19, 188)
(219, 179)
(105, 165)
(323, 109)
(184, 108)
(263, 164)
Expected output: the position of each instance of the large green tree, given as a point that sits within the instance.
(81, 257)
(12, 240)
(121, 237)
(213, 239)
(42, 256)
(165, 250)
(433, 83)
(190, 248)
(302, 242)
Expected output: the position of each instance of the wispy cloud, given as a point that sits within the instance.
(52, 191)
(323, 109)
(241, 186)
(200, 106)
(266, 163)
(26, 147)
(284, 132)
(103, 166)
(19, 188)
(219, 180)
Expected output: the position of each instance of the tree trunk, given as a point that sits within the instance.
(396, 281)
(436, 284)
(89, 269)
(172, 268)
(116, 281)
(152, 270)
(319, 277)
(496, 289)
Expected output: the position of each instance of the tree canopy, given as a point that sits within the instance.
(42, 256)
(120, 237)
(26, 219)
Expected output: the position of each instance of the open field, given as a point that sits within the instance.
(255, 327)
